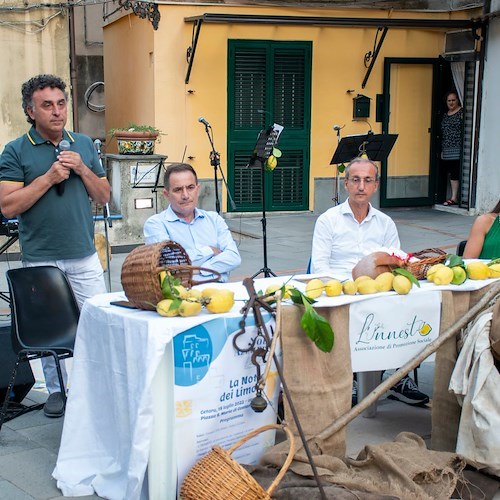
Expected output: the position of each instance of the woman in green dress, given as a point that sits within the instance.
(484, 237)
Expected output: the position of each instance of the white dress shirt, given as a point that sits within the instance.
(340, 241)
(206, 230)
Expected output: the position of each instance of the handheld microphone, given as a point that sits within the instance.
(97, 145)
(202, 120)
(64, 145)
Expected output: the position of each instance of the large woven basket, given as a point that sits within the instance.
(142, 266)
(218, 476)
(427, 258)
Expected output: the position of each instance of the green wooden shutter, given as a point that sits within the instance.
(269, 82)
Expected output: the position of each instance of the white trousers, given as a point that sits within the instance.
(87, 279)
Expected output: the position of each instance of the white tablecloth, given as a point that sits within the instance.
(107, 435)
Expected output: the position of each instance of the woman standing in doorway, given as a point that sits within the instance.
(451, 144)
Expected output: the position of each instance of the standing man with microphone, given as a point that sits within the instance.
(48, 178)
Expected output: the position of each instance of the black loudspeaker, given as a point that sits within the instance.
(24, 378)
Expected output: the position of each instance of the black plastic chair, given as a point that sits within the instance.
(461, 248)
(44, 315)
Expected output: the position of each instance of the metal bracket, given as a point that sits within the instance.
(374, 55)
(191, 50)
(144, 10)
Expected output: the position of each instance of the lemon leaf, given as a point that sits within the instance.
(494, 261)
(317, 329)
(455, 260)
(407, 274)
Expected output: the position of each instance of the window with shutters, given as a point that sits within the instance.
(269, 82)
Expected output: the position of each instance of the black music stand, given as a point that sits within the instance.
(266, 140)
(376, 146)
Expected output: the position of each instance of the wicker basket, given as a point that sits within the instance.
(217, 476)
(427, 258)
(142, 266)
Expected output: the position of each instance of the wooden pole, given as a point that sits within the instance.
(344, 419)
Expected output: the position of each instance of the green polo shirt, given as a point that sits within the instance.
(56, 226)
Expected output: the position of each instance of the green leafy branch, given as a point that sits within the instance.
(317, 328)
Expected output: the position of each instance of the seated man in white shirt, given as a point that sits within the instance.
(346, 233)
(203, 234)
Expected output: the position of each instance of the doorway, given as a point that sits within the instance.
(411, 103)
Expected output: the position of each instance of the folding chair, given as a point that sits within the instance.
(45, 316)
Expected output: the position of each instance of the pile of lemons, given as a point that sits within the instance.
(364, 285)
(440, 274)
(181, 301)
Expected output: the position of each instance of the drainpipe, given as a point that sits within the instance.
(72, 63)
(477, 118)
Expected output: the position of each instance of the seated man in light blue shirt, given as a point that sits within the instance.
(204, 235)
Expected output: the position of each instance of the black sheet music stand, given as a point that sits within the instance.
(376, 146)
(266, 140)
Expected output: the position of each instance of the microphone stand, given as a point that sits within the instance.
(336, 189)
(266, 270)
(106, 219)
(215, 162)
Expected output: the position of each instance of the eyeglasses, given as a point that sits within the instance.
(358, 180)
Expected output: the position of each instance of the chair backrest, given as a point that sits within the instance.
(308, 269)
(461, 248)
(43, 306)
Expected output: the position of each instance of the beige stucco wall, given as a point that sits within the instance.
(145, 83)
(28, 49)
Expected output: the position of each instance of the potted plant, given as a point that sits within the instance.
(135, 139)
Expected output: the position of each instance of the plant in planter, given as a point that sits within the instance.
(135, 139)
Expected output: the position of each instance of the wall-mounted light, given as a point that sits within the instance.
(191, 91)
(143, 203)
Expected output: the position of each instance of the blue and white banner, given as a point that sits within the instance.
(385, 334)
(214, 385)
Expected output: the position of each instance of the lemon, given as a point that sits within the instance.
(221, 301)
(162, 275)
(432, 270)
(401, 284)
(349, 287)
(271, 289)
(208, 292)
(271, 162)
(478, 270)
(359, 279)
(459, 275)
(384, 281)
(443, 276)
(495, 271)
(194, 293)
(314, 288)
(333, 288)
(189, 308)
(367, 287)
(181, 291)
(165, 308)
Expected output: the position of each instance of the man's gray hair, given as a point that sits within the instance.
(361, 160)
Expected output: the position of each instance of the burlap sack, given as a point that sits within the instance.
(495, 332)
(319, 383)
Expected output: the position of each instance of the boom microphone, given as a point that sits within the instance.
(64, 145)
(202, 120)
